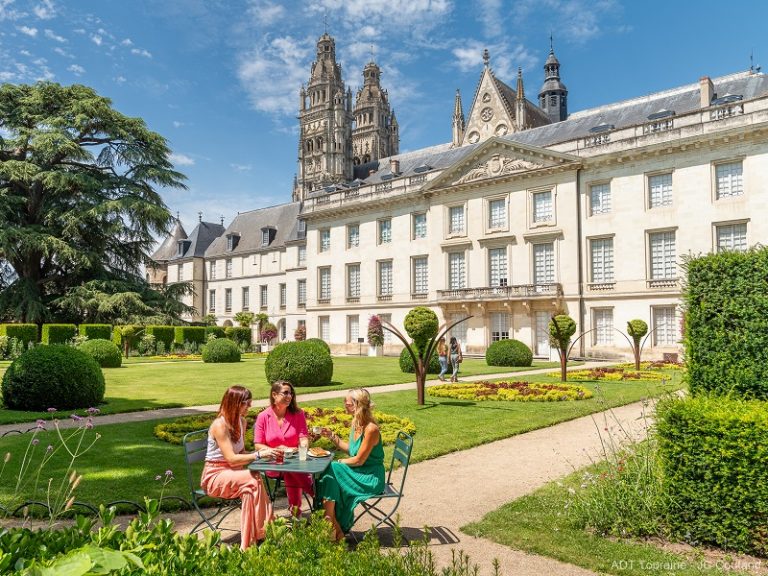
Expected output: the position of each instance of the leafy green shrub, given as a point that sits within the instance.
(127, 337)
(321, 342)
(94, 331)
(106, 353)
(306, 363)
(221, 350)
(726, 331)
(714, 452)
(238, 334)
(508, 353)
(375, 331)
(191, 334)
(421, 324)
(217, 331)
(58, 333)
(24, 333)
(55, 376)
(406, 363)
(164, 334)
(147, 345)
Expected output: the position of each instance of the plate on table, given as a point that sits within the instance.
(290, 452)
(318, 453)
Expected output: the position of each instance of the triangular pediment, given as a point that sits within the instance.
(497, 158)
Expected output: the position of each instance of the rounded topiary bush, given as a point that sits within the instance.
(105, 352)
(221, 350)
(421, 324)
(406, 363)
(304, 363)
(508, 353)
(321, 342)
(53, 376)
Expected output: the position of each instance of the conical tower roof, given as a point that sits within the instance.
(169, 248)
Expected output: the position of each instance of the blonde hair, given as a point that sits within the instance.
(362, 415)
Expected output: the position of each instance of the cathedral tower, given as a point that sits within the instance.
(375, 134)
(325, 124)
(553, 94)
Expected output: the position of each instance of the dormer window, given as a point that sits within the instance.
(181, 247)
(267, 235)
(232, 241)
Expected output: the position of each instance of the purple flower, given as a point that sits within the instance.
(41, 424)
(93, 411)
(51, 410)
(75, 417)
(89, 424)
(35, 441)
(49, 448)
(169, 472)
(158, 477)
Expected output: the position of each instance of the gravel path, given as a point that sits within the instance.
(450, 491)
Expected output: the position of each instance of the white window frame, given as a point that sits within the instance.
(228, 300)
(549, 267)
(228, 268)
(542, 215)
(301, 292)
(498, 267)
(384, 277)
(324, 239)
(601, 260)
(283, 295)
(665, 254)
(457, 270)
(457, 220)
(353, 328)
(499, 326)
(324, 283)
(301, 256)
(384, 231)
(603, 330)
(420, 278)
(419, 228)
(212, 272)
(324, 327)
(600, 201)
(263, 296)
(245, 295)
(728, 179)
(734, 234)
(353, 281)
(211, 300)
(664, 325)
(265, 237)
(353, 235)
(497, 213)
(660, 189)
(180, 273)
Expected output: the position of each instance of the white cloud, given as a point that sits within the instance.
(127, 42)
(490, 15)
(61, 52)
(7, 12)
(53, 36)
(505, 59)
(96, 39)
(242, 167)
(265, 13)
(120, 79)
(177, 124)
(76, 69)
(25, 53)
(141, 52)
(27, 30)
(181, 160)
(575, 20)
(45, 10)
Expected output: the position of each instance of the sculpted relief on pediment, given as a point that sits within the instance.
(497, 165)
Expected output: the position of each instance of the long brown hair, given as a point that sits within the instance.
(277, 388)
(229, 408)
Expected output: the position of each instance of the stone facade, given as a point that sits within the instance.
(590, 214)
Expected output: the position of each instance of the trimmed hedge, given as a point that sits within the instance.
(58, 333)
(726, 323)
(95, 331)
(238, 334)
(164, 334)
(421, 324)
(508, 353)
(714, 452)
(304, 363)
(25, 333)
(189, 334)
(217, 330)
(321, 342)
(221, 350)
(406, 363)
(55, 376)
(105, 352)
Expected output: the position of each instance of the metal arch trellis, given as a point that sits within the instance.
(418, 362)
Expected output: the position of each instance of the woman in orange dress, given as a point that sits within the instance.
(224, 473)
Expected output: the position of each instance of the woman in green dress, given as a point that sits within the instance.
(349, 481)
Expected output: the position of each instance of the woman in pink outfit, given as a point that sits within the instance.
(224, 473)
(279, 426)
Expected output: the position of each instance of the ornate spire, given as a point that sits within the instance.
(458, 120)
(553, 93)
(486, 58)
(520, 119)
(520, 90)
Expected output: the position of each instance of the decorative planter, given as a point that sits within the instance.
(265, 347)
(375, 350)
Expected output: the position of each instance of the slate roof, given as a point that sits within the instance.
(169, 248)
(533, 114)
(202, 237)
(249, 225)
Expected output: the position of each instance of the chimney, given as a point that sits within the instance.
(394, 166)
(707, 90)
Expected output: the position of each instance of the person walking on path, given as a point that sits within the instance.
(442, 356)
(456, 358)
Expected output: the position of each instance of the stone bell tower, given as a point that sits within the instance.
(375, 134)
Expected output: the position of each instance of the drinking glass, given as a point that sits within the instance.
(279, 456)
(303, 447)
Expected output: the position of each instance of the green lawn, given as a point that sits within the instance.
(127, 457)
(538, 523)
(163, 384)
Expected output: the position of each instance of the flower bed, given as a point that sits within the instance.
(335, 419)
(511, 391)
(613, 374)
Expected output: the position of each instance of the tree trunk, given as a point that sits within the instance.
(563, 365)
(637, 356)
(421, 378)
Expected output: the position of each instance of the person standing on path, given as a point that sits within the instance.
(442, 356)
(456, 358)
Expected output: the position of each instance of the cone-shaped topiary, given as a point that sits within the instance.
(306, 363)
(105, 352)
(53, 376)
(221, 350)
(508, 353)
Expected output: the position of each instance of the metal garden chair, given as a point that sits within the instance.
(195, 446)
(383, 506)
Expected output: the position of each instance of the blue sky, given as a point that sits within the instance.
(220, 78)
